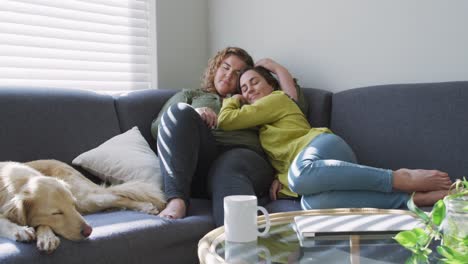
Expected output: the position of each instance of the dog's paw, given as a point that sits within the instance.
(148, 208)
(47, 243)
(24, 234)
(154, 211)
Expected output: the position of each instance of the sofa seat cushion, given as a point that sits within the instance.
(283, 205)
(125, 237)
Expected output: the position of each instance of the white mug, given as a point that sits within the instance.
(240, 218)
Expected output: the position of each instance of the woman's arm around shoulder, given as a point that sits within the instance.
(285, 78)
(234, 115)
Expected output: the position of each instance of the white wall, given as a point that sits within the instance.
(182, 42)
(337, 45)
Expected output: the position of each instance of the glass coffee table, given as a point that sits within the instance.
(282, 244)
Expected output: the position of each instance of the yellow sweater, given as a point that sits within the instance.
(284, 130)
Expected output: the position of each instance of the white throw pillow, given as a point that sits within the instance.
(125, 157)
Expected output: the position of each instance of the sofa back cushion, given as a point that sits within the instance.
(140, 108)
(53, 123)
(319, 106)
(406, 125)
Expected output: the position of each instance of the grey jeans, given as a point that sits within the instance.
(193, 165)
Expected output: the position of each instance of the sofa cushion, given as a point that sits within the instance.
(406, 125)
(140, 108)
(123, 158)
(283, 205)
(124, 237)
(319, 102)
(53, 123)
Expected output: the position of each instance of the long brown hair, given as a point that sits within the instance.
(262, 71)
(207, 84)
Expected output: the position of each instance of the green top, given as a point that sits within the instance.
(197, 98)
(284, 129)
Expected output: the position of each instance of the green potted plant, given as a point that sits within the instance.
(448, 222)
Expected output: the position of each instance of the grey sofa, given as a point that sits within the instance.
(393, 126)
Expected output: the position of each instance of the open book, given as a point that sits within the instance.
(323, 225)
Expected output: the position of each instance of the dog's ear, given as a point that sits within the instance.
(17, 208)
(69, 190)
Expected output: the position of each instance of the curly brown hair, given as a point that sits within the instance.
(207, 84)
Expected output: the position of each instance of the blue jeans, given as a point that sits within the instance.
(327, 175)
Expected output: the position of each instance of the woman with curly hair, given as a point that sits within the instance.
(197, 159)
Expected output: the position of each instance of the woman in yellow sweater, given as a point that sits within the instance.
(314, 162)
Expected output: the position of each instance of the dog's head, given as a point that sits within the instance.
(49, 201)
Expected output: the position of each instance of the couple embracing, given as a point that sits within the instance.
(245, 132)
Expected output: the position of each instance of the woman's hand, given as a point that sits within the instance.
(240, 98)
(208, 116)
(285, 78)
(269, 64)
(275, 187)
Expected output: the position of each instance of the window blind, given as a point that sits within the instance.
(85, 44)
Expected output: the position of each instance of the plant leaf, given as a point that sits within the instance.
(420, 213)
(445, 251)
(426, 251)
(438, 212)
(422, 237)
(409, 239)
(456, 195)
(450, 261)
(452, 255)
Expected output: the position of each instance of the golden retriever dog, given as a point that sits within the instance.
(39, 199)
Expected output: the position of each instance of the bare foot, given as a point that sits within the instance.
(420, 180)
(175, 209)
(428, 198)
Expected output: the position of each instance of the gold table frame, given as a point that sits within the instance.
(207, 245)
